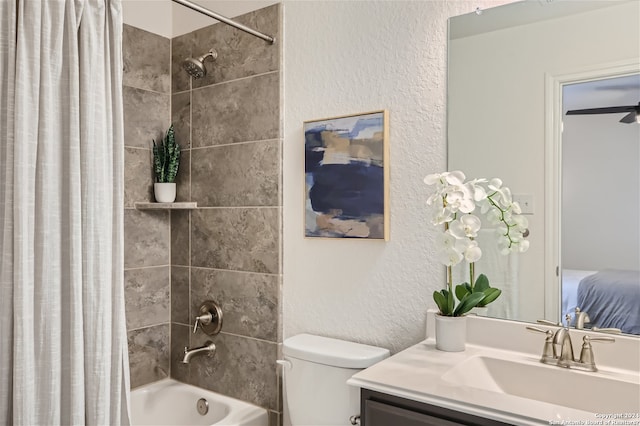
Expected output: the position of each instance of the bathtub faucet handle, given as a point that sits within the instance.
(204, 319)
(209, 318)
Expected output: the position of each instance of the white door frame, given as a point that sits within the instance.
(554, 83)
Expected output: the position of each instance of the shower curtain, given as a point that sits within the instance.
(63, 346)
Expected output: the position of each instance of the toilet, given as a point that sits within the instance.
(316, 370)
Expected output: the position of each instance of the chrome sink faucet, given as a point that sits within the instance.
(563, 338)
(582, 318)
(565, 357)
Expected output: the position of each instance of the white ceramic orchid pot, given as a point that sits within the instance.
(451, 333)
(165, 192)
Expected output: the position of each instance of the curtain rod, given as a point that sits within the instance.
(205, 11)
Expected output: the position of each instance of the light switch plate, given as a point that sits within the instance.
(525, 201)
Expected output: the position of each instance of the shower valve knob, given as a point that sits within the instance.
(204, 319)
(210, 318)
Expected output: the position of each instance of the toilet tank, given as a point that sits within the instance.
(315, 382)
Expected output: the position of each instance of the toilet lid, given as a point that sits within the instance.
(333, 352)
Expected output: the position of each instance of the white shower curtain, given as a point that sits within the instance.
(63, 346)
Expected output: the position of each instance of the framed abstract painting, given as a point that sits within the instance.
(347, 176)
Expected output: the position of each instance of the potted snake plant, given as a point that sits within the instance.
(166, 161)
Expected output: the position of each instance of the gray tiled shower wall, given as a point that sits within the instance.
(228, 124)
(147, 103)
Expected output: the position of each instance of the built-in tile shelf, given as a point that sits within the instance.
(166, 206)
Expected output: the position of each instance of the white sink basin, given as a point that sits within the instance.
(600, 392)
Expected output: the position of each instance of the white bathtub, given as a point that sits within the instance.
(169, 402)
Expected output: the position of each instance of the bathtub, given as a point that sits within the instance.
(169, 402)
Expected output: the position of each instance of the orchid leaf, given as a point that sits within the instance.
(490, 295)
(462, 290)
(467, 303)
(444, 300)
(451, 304)
(482, 283)
(441, 302)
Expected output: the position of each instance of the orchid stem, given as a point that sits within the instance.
(472, 274)
(449, 268)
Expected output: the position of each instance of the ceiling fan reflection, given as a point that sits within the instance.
(633, 111)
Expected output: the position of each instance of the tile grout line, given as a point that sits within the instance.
(270, 274)
(236, 143)
(170, 374)
(234, 80)
(136, 268)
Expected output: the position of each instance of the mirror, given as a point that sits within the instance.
(513, 72)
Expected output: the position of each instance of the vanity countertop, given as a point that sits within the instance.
(421, 373)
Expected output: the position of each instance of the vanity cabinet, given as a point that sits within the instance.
(379, 409)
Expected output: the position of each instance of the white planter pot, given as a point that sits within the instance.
(451, 333)
(164, 192)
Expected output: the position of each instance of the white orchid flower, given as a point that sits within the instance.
(473, 253)
(457, 201)
(469, 249)
(521, 222)
(455, 178)
(466, 205)
(485, 205)
(494, 216)
(450, 257)
(504, 245)
(446, 241)
(434, 178)
(466, 227)
(461, 199)
(476, 190)
(515, 207)
(442, 216)
(505, 197)
(452, 196)
(516, 237)
(495, 184)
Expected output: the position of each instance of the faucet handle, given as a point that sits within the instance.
(204, 319)
(586, 355)
(539, 330)
(549, 350)
(587, 339)
(210, 318)
(607, 330)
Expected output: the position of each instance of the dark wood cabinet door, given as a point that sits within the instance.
(380, 414)
(380, 409)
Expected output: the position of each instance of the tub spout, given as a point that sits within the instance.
(209, 348)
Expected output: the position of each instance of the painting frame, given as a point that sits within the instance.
(346, 172)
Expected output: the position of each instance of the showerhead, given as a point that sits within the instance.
(195, 66)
